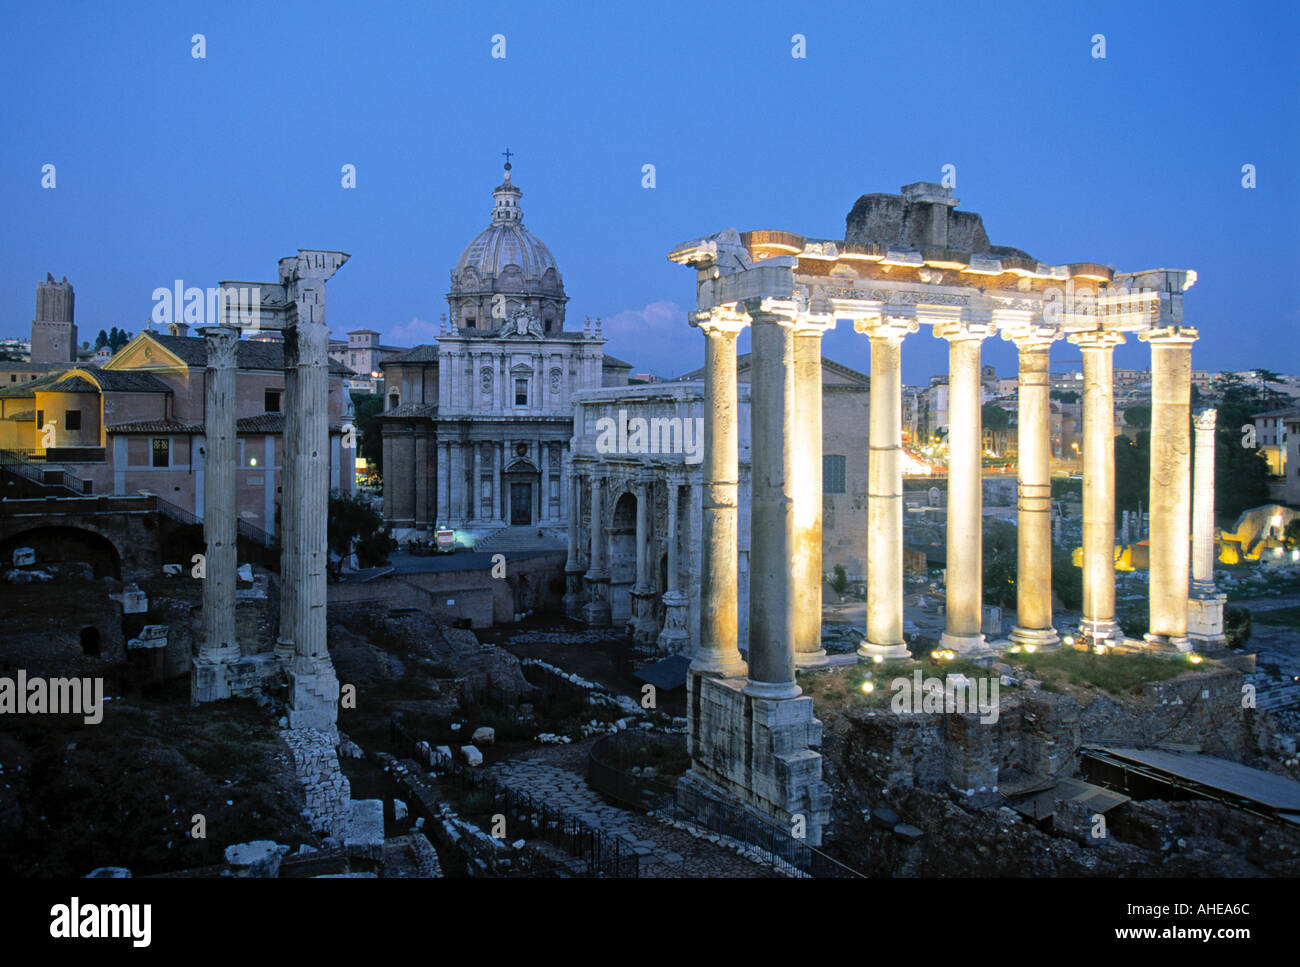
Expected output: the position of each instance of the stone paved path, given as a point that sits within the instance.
(664, 851)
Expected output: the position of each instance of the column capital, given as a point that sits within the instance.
(887, 326)
(720, 320)
(807, 323)
(964, 329)
(1205, 419)
(222, 345)
(1169, 335)
(1096, 339)
(782, 312)
(1035, 334)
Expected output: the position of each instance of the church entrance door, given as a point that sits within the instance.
(521, 503)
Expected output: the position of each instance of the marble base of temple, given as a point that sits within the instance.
(760, 753)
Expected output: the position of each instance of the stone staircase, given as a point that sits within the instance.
(508, 540)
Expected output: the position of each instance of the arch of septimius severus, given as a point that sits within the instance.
(916, 263)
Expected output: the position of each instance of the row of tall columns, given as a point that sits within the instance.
(220, 509)
(718, 653)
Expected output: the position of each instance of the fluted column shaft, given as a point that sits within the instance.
(1203, 503)
(596, 611)
(672, 535)
(1098, 626)
(771, 592)
(718, 653)
(965, 589)
(1171, 483)
(642, 534)
(290, 495)
(884, 627)
(312, 458)
(220, 509)
(1034, 504)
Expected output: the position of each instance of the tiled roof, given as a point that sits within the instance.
(155, 426)
(72, 384)
(252, 353)
(424, 353)
(613, 362)
(129, 381)
(29, 387)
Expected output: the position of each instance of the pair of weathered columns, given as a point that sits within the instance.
(304, 484)
(785, 510)
(1169, 495)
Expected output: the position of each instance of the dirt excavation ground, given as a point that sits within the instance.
(126, 792)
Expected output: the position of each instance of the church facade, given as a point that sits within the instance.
(476, 429)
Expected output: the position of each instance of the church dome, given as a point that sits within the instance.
(506, 271)
(506, 256)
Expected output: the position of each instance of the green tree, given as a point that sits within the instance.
(1138, 416)
(352, 518)
(101, 340)
(1000, 564)
(366, 408)
(1291, 536)
(1132, 472)
(994, 417)
(1065, 395)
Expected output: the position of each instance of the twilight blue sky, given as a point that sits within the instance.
(170, 167)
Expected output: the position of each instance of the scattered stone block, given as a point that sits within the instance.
(245, 573)
(260, 858)
(400, 811)
(472, 755)
(109, 873)
(365, 836)
(885, 818)
(25, 557)
(173, 570)
(908, 832)
(484, 735)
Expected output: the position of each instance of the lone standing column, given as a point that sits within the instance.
(965, 590)
(313, 685)
(1203, 504)
(771, 509)
(806, 487)
(884, 640)
(219, 645)
(596, 612)
(718, 653)
(642, 623)
(1033, 629)
(1098, 628)
(1171, 479)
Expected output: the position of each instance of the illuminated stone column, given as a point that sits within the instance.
(573, 566)
(1171, 484)
(596, 611)
(219, 645)
(771, 508)
(674, 638)
(1206, 603)
(805, 440)
(1098, 627)
(965, 591)
(1203, 504)
(884, 632)
(718, 654)
(1034, 506)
